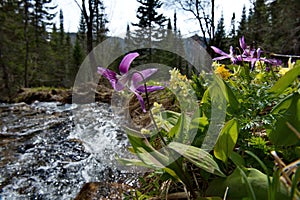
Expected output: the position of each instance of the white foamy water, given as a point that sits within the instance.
(49, 150)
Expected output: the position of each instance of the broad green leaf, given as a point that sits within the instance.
(145, 151)
(209, 198)
(238, 189)
(177, 130)
(237, 159)
(228, 94)
(198, 157)
(287, 111)
(226, 140)
(153, 158)
(180, 132)
(199, 123)
(131, 162)
(284, 82)
(171, 116)
(249, 187)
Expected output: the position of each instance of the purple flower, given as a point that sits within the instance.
(224, 55)
(134, 80)
(252, 55)
(249, 54)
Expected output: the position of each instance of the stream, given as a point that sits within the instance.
(49, 150)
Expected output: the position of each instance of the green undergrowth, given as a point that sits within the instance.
(236, 136)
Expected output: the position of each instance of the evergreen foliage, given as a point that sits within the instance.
(35, 51)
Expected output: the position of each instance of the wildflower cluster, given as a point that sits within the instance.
(179, 83)
(157, 115)
(221, 70)
(180, 86)
(249, 54)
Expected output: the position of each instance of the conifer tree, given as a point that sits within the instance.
(93, 14)
(232, 34)
(150, 27)
(151, 24)
(242, 24)
(128, 39)
(220, 34)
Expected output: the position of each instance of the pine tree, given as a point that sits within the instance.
(100, 29)
(242, 24)
(81, 34)
(220, 34)
(284, 34)
(150, 28)
(128, 39)
(93, 14)
(258, 23)
(61, 27)
(232, 34)
(12, 50)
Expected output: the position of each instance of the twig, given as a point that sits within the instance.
(281, 167)
(293, 129)
(284, 56)
(225, 194)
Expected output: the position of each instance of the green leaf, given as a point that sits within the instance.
(228, 94)
(284, 82)
(226, 140)
(130, 162)
(295, 182)
(248, 184)
(198, 157)
(153, 158)
(286, 112)
(238, 188)
(199, 123)
(237, 159)
(177, 130)
(171, 116)
(145, 151)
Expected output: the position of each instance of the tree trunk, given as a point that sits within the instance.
(26, 44)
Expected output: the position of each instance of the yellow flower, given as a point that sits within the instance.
(145, 131)
(283, 70)
(223, 72)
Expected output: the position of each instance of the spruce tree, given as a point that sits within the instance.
(151, 24)
(150, 28)
(258, 23)
(220, 34)
(232, 34)
(12, 49)
(242, 24)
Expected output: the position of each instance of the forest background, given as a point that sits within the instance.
(36, 52)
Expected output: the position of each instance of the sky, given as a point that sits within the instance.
(123, 12)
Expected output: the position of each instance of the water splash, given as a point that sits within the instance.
(49, 150)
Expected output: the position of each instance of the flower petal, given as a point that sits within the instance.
(110, 75)
(140, 76)
(242, 43)
(258, 52)
(219, 51)
(125, 63)
(140, 98)
(221, 58)
(149, 88)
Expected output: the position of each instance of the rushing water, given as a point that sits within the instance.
(49, 150)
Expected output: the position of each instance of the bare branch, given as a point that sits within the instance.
(78, 4)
